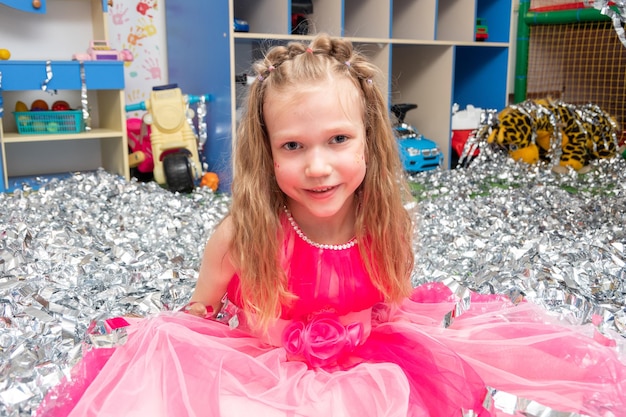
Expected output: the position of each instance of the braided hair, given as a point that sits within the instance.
(383, 226)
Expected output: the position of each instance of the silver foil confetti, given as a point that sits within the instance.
(201, 131)
(79, 251)
(618, 18)
(84, 101)
(501, 226)
(49, 75)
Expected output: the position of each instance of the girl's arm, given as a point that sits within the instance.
(216, 271)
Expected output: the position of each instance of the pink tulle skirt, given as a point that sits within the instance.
(177, 365)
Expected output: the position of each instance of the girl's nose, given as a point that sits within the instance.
(318, 164)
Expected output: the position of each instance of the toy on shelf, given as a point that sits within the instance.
(416, 152)
(5, 54)
(38, 105)
(42, 119)
(169, 140)
(60, 105)
(482, 31)
(100, 50)
(554, 131)
(240, 25)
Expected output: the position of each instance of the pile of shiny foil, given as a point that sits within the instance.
(81, 250)
(500, 226)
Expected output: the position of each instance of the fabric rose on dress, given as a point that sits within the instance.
(323, 340)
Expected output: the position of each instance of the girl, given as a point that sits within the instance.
(303, 305)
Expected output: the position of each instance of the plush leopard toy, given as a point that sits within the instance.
(549, 130)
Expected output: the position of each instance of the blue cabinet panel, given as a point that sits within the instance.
(480, 77)
(198, 52)
(62, 75)
(497, 14)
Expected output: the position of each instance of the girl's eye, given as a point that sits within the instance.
(339, 139)
(291, 146)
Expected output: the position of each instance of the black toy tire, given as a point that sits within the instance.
(178, 172)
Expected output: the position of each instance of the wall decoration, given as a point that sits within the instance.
(139, 26)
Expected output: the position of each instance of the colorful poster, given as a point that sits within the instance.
(139, 26)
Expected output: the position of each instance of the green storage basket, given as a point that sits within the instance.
(48, 122)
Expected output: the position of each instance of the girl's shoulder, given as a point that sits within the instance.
(225, 231)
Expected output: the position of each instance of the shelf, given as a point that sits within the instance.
(262, 37)
(105, 145)
(426, 48)
(10, 137)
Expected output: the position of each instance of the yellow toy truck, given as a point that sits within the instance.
(174, 143)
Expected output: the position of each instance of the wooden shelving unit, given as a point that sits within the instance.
(426, 47)
(104, 145)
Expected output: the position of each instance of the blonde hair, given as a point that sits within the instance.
(383, 226)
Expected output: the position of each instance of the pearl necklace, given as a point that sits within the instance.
(304, 237)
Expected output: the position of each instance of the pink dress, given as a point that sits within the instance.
(340, 351)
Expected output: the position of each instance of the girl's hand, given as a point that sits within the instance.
(198, 309)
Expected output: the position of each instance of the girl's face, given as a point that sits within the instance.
(317, 137)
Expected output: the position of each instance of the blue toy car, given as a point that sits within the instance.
(240, 25)
(416, 152)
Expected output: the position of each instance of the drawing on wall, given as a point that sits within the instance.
(139, 26)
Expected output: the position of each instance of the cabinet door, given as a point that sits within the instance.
(34, 6)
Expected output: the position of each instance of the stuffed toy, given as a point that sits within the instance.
(551, 130)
